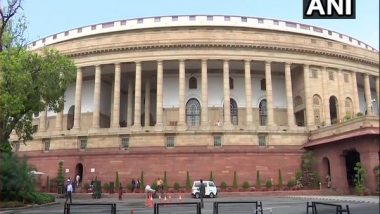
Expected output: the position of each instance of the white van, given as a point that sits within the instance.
(210, 188)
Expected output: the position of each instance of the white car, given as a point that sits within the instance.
(210, 189)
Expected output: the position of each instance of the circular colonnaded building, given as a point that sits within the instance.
(211, 93)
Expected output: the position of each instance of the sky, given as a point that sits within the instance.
(47, 17)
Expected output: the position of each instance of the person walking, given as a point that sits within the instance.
(120, 192)
(133, 185)
(202, 191)
(69, 190)
(138, 183)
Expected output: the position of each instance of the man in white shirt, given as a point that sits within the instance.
(149, 191)
(69, 190)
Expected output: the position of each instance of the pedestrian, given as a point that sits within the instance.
(120, 192)
(202, 191)
(138, 183)
(77, 180)
(69, 190)
(160, 186)
(133, 185)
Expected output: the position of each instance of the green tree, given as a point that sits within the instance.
(117, 182)
(188, 180)
(280, 179)
(360, 178)
(258, 180)
(165, 181)
(309, 176)
(211, 177)
(235, 182)
(17, 181)
(142, 181)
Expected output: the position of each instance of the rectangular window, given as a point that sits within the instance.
(79, 30)
(66, 33)
(227, 18)
(275, 22)
(123, 22)
(54, 36)
(210, 18)
(83, 143)
(139, 21)
(345, 75)
(262, 140)
(93, 27)
(291, 24)
(217, 141)
(174, 18)
(125, 143)
(46, 144)
(244, 19)
(192, 18)
(330, 32)
(170, 141)
(261, 21)
(314, 73)
(331, 75)
(157, 19)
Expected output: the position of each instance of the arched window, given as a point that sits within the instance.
(263, 112)
(193, 83)
(234, 112)
(231, 83)
(193, 112)
(70, 117)
(348, 107)
(317, 109)
(263, 85)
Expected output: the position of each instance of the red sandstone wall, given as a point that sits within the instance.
(368, 148)
(130, 165)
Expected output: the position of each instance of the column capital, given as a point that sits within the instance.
(182, 60)
(204, 60)
(247, 60)
(159, 62)
(306, 65)
(98, 66)
(117, 64)
(288, 63)
(138, 63)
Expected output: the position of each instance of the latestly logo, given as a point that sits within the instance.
(329, 9)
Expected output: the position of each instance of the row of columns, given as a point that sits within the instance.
(204, 96)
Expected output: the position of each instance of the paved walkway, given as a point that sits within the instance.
(360, 199)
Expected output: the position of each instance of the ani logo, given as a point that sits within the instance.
(329, 9)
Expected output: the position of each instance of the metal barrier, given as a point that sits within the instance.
(188, 207)
(90, 208)
(243, 207)
(324, 208)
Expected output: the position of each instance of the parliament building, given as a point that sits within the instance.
(211, 93)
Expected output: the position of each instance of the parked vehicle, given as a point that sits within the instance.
(210, 189)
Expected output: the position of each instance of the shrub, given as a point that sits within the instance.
(142, 182)
(176, 186)
(377, 174)
(360, 178)
(165, 182)
(154, 186)
(106, 187)
(268, 184)
(291, 183)
(60, 178)
(280, 179)
(258, 180)
(211, 177)
(347, 117)
(117, 182)
(235, 183)
(359, 114)
(39, 198)
(223, 185)
(188, 181)
(246, 185)
(129, 186)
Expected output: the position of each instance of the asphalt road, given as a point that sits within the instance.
(275, 205)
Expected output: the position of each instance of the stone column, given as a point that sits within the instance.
(248, 92)
(160, 78)
(289, 95)
(377, 95)
(204, 110)
(147, 103)
(269, 93)
(43, 118)
(58, 121)
(226, 90)
(367, 93)
(181, 112)
(342, 109)
(325, 101)
(116, 97)
(97, 89)
(308, 96)
(356, 106)
(78, 99)
(137, 122)
(129, 108)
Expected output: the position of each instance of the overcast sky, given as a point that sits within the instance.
(47, 17)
